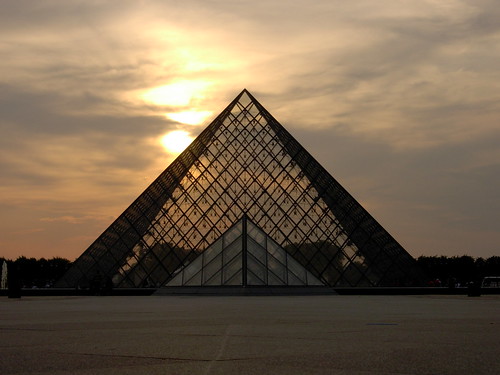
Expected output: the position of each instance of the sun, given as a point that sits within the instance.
(176, 141)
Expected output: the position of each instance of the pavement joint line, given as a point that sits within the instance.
(269, 336)
(26, 329)
(158, 358)
(221, 350)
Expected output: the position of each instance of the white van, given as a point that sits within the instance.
(491, 282)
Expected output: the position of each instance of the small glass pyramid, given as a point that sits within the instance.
(244, 255)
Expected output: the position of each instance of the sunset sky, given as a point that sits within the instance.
(398, 100)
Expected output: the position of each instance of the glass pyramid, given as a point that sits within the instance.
(244, 163)
(244, 255)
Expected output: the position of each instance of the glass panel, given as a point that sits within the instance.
(233, 233)
(277, 268)
(252, 279)
(176, 281)
(215, 280)
(297, 269)
(256, 234)
(276, 251)
(211, 252)
(256, 268)
(211, 268)
(232, 250)
(237, 279)
(192, 268)
(256, 250)
(312, 280)
(274, 280)
(231, 268)
(294, 280)
(195, 280)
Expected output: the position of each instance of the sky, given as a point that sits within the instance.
(398, 100)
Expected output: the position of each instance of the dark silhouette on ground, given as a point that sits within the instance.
(458, 270)
(38, 273)
(442, 270)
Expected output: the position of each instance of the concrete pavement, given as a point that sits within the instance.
(251, 335)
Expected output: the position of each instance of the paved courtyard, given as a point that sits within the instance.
(355, 335)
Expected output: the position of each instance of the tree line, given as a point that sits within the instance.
(440, 270)
(37, 273)
(459, 270)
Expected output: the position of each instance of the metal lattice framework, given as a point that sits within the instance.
(245, 163)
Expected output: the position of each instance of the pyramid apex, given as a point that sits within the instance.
(246, 96)
(244, 91)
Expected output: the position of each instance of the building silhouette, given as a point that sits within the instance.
(244, 205)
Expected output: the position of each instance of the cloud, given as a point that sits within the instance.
(441, 198)
(71, 219)
(399, 100)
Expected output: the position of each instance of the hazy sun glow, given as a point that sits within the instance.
(189, 117)
(176, 94)
(176, 141)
